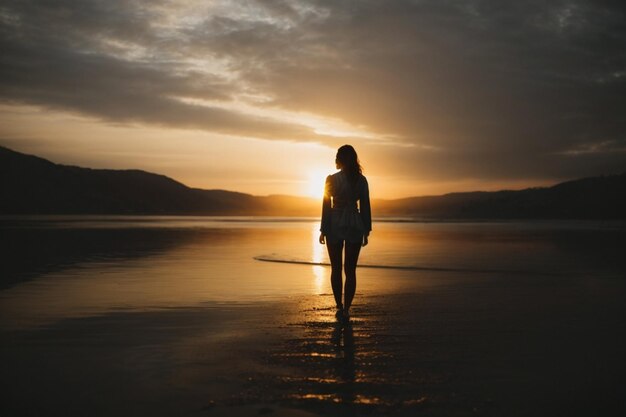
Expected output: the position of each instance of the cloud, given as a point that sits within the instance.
(479, 89)
(109, 61)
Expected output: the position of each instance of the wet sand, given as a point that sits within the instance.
(481, 345)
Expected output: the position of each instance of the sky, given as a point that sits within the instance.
(256, 96)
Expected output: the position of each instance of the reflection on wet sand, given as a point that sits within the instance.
(83, 271)
(343, 339)
(29, 253)
(347, 365)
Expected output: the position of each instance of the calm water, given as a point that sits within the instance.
(60, 267)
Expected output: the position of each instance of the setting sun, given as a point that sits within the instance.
(315, 183)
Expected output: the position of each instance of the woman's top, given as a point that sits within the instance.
(346, 211)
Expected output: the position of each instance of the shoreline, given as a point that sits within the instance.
(243, 218)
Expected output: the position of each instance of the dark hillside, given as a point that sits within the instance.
(32, 185)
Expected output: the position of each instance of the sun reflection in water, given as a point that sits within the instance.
(317, 255)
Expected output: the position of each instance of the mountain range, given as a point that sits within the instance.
(32, 185)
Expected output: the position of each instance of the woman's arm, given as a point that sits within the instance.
(325, 223)
(365, 208)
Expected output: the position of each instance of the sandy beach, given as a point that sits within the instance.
(472, 348)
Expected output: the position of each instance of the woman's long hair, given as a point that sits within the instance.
(347, 157)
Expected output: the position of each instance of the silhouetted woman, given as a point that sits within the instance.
(346, 221)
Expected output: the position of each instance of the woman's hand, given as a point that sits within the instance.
(365, 240)
(322, 239)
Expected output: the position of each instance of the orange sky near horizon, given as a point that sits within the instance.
(200, 160)
(256, 96)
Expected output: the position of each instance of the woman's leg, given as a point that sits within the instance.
(352, 256)
(334, 253)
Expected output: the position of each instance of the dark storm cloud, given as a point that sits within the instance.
(484, 89)
(502, 89)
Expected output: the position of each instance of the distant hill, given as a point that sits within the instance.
(588, 198)
(32, 185)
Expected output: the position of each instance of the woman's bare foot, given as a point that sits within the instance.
(346, 315)
(339, 312)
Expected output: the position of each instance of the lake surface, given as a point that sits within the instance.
(58, 267)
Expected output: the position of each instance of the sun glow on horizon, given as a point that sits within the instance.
(314, 185)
